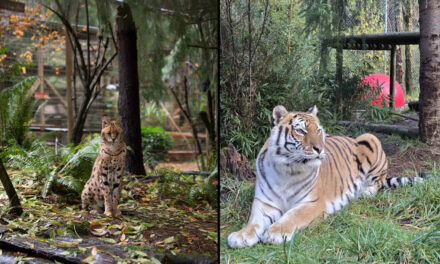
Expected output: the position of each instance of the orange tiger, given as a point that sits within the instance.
(302, 174)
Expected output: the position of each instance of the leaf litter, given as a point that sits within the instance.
(149, 221)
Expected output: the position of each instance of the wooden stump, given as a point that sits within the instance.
(233, 162)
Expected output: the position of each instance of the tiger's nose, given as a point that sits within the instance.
(318, 149)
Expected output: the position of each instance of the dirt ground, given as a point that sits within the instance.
(408, 156)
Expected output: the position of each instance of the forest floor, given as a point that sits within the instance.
(152, 220)
(398, 226)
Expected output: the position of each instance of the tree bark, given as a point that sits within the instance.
(407, 14)
(10, 191)
(398, 28)
(128, 103)
(429, 125)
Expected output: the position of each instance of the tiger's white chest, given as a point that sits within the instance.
(284, 185)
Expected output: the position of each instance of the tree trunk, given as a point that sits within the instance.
(398, 28)
(10, 191)
(231, 161)
(80, 121)
(408, 27)
(128, 103)
(429, 125)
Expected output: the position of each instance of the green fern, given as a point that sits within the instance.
(75, 167)
(16, 111)
(70, 183)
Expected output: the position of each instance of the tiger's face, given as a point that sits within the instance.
(111, 132)
(298, 136)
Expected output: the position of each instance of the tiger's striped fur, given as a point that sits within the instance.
(303, 174)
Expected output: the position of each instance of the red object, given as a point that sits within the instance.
(383, 81)
(42, 96)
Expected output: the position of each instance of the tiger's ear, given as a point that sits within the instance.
(278, 114)
(313, 110)
(105, 122)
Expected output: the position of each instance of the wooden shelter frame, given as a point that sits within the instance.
(383, 41)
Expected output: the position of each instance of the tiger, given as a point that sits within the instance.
(304, 174)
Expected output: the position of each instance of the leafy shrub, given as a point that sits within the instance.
(16, 109)
(193, 189)
(206, 190)
(75, 168)
(153, 115)
(155, 144)
(36, 158)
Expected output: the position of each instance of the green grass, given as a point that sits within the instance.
(399, 226)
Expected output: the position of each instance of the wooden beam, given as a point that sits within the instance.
(392, 75)
(383, 41)
(12, 6)
(57, 94)
(69, 75)
(35, 86)
(40, 64)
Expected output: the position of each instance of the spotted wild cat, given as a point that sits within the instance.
(103, 189)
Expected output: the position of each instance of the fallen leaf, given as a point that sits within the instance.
(89, 259)
(94, 251)
(169, 240)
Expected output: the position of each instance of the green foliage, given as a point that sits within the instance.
(75, 168)
(155, 145)
(205, 191)
(36, 158)
(153, 115)
(17, 104)
(288, 64)
(236, 200)
(173, 25)
(196, 189)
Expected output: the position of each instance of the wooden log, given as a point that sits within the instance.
(411, 132)
(404, 116)
(106, 254)
(38, 249)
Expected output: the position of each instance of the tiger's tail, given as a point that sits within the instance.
(396, 181)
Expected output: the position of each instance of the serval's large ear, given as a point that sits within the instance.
(105, 122)
(313, 110)
(118, 121)
(278, 114)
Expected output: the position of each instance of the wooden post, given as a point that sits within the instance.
(69, 73)
(339, 62)
(41, 76)
(392, 74)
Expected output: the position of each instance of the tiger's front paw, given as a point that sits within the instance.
(276, 234)
(243, 238)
